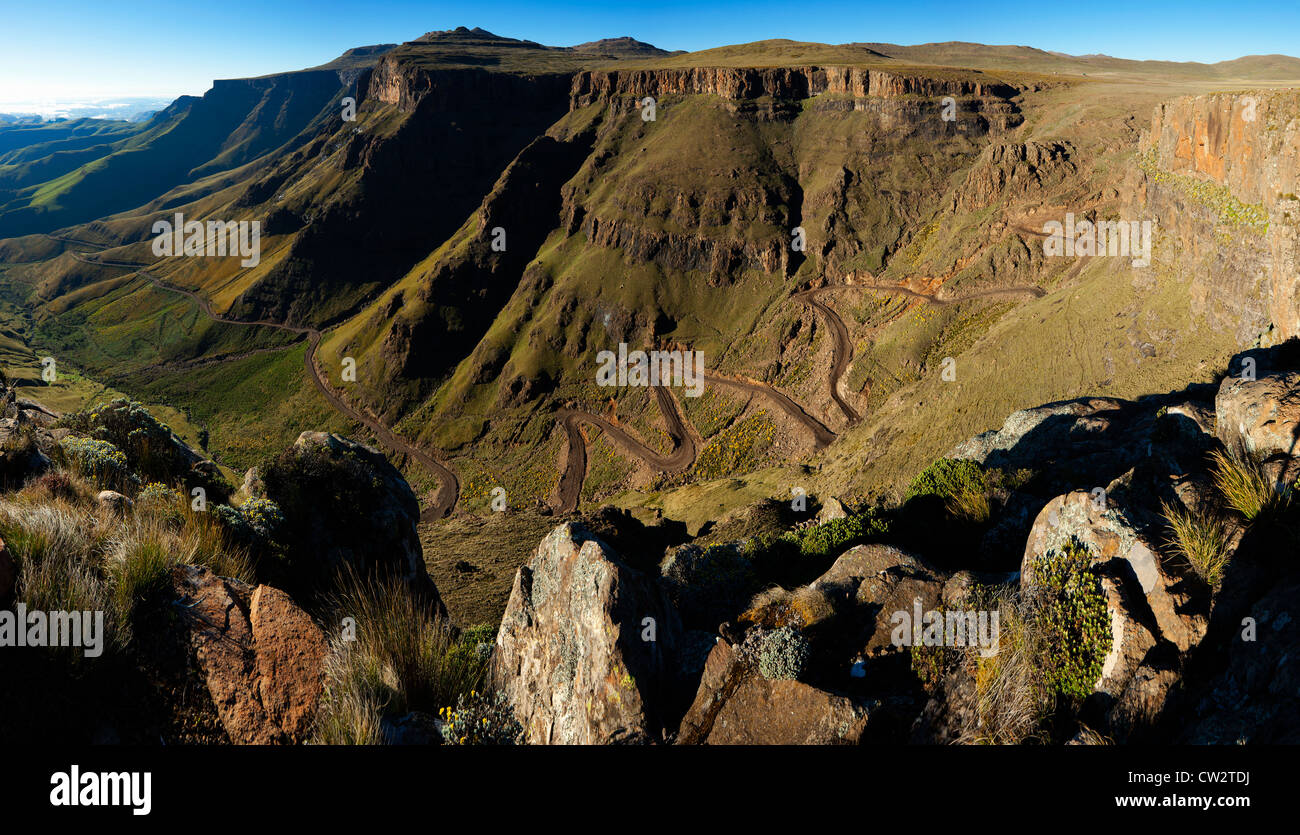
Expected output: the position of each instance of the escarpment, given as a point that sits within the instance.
(1219, 174)
(777, 82)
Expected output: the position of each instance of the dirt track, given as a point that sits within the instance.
(842, 348)
(569, 489)
(448, 485)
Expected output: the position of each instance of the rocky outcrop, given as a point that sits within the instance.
(736, 705)
(402, 82)
(588, 647)
(1158, 613)
(1019, 169)
(346, 508)
(1262, 414)
(261, 656)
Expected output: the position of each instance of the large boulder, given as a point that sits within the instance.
(345, 508)
(1123, 537)
(736, 705)
(261, 657)
(1158, 612)
(1263, 415)
(868, 584)
(573, 655)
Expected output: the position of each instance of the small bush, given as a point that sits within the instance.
(832, 538)
(480, 719)
(148, 444)
(1072, 620)
(783, 654)
(1201, 539)
(100, 461)
(947, 478)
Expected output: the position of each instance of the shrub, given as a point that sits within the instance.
(833, 537)
(783, 654)
(256, 521)
(1072, 620)
(148, 444)
(480, 719)
(948, 478)
(1201, 539)
(100, 461)
(1240, 479)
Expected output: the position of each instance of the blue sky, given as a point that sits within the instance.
(65, 49)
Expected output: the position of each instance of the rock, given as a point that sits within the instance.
(569, 655)
(346, 508)
(1253, 700)
(290, 649)
(708, 585)
(24, 451)
(8, 573)
(114, 501)
(261, 656)
(832, 508)
(1147, 601)
(1112, 533)
(1263, 414)
(868, 584)
(736, 705)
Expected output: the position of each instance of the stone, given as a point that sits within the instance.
(114, 501)
(736, 705)
(570, 654)
(1263, 415)
(261, 657)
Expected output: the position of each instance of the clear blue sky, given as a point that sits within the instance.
(72, 48)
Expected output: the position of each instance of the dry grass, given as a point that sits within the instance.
(1240, 479)
(1201, 539)
(1011, 697)
(800, 607)
(403, 659)
(74, 554)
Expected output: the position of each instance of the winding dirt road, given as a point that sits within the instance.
(448, 485)
(841, 348)
(569, 489)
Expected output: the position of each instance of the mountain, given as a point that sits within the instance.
(858, 240)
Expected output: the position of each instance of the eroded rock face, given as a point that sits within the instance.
(261, 656)
(1240, 257)
(570, 655)
(1261, 414)
(736, 705)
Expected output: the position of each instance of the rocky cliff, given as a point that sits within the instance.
(1219, 175)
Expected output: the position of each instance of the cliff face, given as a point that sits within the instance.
(778, 82)
(1219, 175)
(407, 85)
